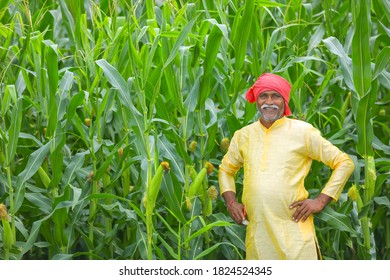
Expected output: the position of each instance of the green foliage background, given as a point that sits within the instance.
(96, 94)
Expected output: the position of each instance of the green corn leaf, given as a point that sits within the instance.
(361, 59)
(34, 162)
(364, 127)
(135, 117)
(382, 61)
(211, 139)
(141, 243)
(75, 102)
(119, 198)
(206, 228)
(41, 201)
(270, 4)
(241, 33)
(53, 85)
(212, 49)
(56, 156)
(14, 130)
(76, 196)
(316, 39)
(63, 257)
(167, 150)
(4, 4)
(235, 236)
(183, 35)
(213, 248)
(52, 65)
(382, 200)
(117, 81)
(337, 220)
(9, 94)
(7, 32)
(169, 248)
(172, 192)
(34, 232)
(319, 93)
(64, 87)
(336, 48)
(68, 21)
(265, 60)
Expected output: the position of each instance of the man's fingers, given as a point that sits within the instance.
(303, 212)
(299, 213)
(295, 204)
(236, 213)
(304, 209)
(238, 218)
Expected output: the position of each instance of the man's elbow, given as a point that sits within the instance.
(349, 164)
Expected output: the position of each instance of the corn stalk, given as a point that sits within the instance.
(365, 90)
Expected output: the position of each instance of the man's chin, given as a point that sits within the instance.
(269, 118)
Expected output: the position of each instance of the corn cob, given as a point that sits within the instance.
(44, 177)
(8, 239)
(154, 187)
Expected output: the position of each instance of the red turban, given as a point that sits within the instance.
(274, 82)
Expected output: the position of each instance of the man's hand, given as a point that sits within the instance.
(305, 208)
(237, 212)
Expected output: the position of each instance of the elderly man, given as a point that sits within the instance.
(276, 153)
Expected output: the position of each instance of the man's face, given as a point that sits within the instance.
(270, 105)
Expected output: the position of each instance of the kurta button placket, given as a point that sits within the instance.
(264, 158)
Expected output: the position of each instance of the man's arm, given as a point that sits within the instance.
(230, 164)
(322, 150)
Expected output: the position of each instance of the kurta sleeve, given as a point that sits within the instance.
(322, 150)
(231, 163)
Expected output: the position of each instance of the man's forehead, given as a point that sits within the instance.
(270, 92)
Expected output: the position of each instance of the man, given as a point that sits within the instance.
(276, 153)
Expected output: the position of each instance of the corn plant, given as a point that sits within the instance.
(98, 96)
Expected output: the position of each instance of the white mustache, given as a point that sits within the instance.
(264, 106)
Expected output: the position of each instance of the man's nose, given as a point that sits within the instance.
(269, 100)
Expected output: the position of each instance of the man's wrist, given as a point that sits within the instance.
(323, 199)
(230, 204)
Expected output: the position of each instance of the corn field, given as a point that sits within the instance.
(115, 116)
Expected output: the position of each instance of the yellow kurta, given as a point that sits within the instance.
(276, 162)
